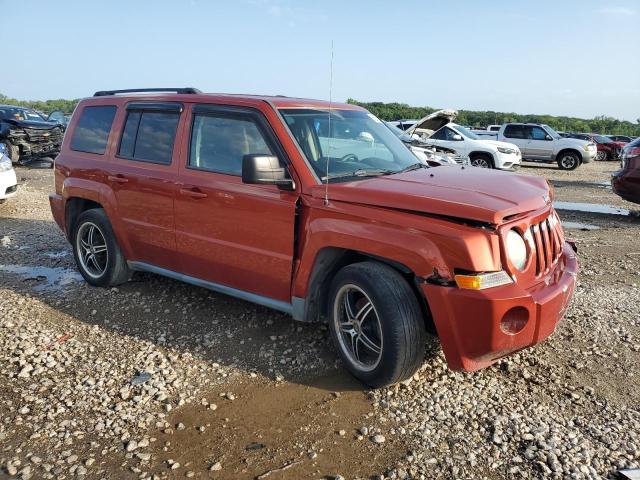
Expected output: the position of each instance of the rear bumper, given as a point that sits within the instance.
(57, 210)
(469, 321)
(8, 184)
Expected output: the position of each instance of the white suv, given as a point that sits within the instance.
(438, 129)
(8, 180)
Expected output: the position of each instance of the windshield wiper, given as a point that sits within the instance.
(361, 172)
(413, 166)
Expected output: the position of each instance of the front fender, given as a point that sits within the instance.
(424, 245)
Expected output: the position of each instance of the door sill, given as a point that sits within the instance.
(216, 287)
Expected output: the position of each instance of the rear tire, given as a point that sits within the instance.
(376, 324)
(96, 251)
(568, 161)
(482, 161)
(601, 156)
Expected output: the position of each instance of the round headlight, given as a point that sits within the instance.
(516, 250)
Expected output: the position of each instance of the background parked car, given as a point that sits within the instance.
(8, 180)
(438, 129)
(620, 138)
(541, 143)
(403, 124)
(428, 154)
(27, 135)
(607, 148)
(626, 181)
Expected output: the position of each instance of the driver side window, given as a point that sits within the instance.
(536, 133)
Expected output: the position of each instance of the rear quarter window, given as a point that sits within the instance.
(148, 136)
(92, 130)
(514, 131)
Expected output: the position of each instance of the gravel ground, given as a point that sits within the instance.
(157, 379)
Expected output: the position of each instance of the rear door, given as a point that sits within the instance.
(516, 134)
(540, 143)
(142, 175)
(228, 232)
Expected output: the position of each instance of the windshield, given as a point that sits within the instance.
(358, 145)
(551, 132)
(601, 139)
(465, 132)
(19, 114)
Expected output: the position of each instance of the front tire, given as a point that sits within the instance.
(376, 324)
(568, 161)
(96, 251)
(482, 161)
(601, 155)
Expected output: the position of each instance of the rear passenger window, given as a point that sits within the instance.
(218, 143)
(92, 130)
(514, 131)
(149, 136)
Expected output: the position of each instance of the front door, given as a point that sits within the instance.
(540, 144)
(142, 176)
(228, 232)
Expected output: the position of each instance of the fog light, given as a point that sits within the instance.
(514, 320)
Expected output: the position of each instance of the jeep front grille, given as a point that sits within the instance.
(547, 242)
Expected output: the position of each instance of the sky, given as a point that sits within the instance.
(576, 58)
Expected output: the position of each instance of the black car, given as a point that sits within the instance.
(27, 135)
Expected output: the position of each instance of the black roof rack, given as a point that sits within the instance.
(104, 93)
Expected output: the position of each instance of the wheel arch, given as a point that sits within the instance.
(569, 150)
(482, 153)
(328, 261)
(80, 195)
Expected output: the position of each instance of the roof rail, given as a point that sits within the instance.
(104, 93)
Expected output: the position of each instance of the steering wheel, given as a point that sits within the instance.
(349, 157)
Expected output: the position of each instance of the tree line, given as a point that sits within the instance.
(601, 124)
(46, 106)
(396, 111)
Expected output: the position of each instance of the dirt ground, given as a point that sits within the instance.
(158, 379)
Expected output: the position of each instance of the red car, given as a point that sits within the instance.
(318, 211)
(607, 149)
(626, 181)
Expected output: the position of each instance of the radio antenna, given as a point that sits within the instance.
(326, 180)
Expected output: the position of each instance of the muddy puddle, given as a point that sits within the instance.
(43, 278)
(579, 226)
(277, 431)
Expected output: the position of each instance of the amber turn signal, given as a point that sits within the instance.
(481, 281)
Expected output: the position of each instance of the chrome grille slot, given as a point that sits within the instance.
(547, 244)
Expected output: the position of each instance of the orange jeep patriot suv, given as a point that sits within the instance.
(319, 211)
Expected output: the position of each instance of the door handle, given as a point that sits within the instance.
(192, 192)
(117, 178)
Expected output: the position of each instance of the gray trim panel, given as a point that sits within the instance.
(216, 287)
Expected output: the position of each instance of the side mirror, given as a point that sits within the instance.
(457, 137)
(265, 170)
(548, 137)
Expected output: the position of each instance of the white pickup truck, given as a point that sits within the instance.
(541, 143)
(438, 129)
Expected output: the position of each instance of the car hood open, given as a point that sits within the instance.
(467, 193)
(434, 121)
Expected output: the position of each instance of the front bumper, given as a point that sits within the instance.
(506, 161)
(8, 184)
(590, 155)
(626, 184)
(469, 321)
